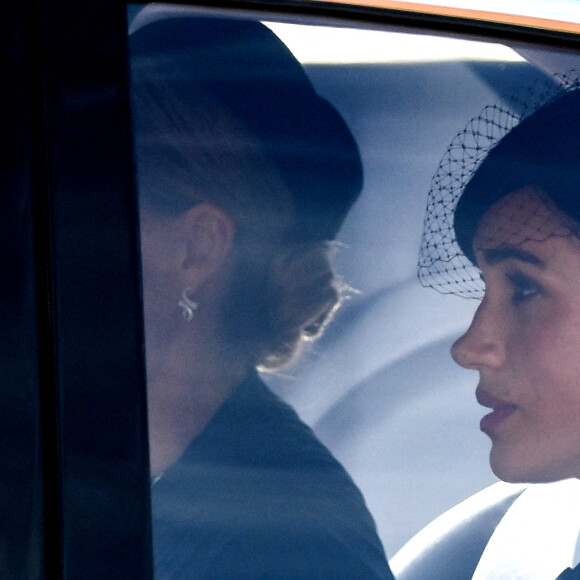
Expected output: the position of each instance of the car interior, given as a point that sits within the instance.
(380, 388)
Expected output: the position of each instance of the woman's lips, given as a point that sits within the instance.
(501, 410)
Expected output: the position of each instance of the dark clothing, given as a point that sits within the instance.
(257, 496)
(570, 574)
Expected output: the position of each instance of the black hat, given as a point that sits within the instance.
(542, 151)
(246, 67)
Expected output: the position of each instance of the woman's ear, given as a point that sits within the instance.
(209, 235)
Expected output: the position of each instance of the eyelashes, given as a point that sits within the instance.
(523, 287)
(510, 282)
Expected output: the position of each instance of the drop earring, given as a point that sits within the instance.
(188, 306)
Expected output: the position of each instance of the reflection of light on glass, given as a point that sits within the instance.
(318, 44)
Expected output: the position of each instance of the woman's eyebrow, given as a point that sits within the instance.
(496, 255)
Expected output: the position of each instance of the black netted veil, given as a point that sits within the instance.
(531, 140)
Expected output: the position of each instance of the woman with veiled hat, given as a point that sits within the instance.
(508, 232)
(245, 175)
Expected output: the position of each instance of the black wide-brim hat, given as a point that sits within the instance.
(246, 67)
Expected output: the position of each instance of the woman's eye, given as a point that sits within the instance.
(523, 287)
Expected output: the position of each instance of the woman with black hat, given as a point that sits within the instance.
(244, 177)
(507, 230)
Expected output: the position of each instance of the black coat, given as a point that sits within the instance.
(257, 496)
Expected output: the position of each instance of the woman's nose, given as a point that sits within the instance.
(483, 343)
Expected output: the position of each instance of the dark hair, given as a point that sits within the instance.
(243, 66)
(543, 151)
(223, 113)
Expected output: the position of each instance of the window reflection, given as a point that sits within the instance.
(250, 186)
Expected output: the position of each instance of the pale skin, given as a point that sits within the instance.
(189, 375)
(524, 341)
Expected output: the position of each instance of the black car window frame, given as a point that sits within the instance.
(94, 447)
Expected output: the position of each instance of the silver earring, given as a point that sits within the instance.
(188, 306)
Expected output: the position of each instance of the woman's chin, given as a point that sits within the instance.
(522, 468)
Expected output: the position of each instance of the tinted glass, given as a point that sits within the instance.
(241, 187)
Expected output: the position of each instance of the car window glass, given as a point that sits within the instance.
(378, 387)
